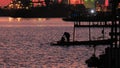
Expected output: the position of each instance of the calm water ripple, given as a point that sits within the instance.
(29, 47)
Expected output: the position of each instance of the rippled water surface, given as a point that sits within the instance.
(25, 43)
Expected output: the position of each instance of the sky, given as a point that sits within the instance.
(4, 2)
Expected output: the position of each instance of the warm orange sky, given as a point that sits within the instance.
(4, 2)
(76, 1)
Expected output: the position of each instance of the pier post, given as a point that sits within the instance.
(74, 32)
(115, 31)
(89, 32)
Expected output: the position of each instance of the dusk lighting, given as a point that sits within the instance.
(59, 33)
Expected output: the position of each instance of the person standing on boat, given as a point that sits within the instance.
(67, 36)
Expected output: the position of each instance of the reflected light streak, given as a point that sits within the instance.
(10, 19)
(41, 19)
(18, 19)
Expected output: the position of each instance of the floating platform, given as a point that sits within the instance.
(101, 21)
(78, 43)
(90, 19)
(98, 17)
(99, 26)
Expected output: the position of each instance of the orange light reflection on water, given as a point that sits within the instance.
(10, 19)
(18, 19)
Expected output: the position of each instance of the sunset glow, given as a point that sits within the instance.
(76, 1)
(4, 2)
(106, 3)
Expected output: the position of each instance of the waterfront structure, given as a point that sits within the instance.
(26, 3)
(15, 4)
(56, 1)
(20, 4)
(66, 1)
(88, 3)
(38, 3)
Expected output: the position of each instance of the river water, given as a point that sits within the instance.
(25, 43)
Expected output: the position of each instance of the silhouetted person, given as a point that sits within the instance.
(67, 36)
(62, 39)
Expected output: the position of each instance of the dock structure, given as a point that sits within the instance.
(99, 20)
(94, 20)
(103, 20)
(113, 52)
(111, 56)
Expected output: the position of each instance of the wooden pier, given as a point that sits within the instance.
(101, 19)
(111, 56)
(97, 21)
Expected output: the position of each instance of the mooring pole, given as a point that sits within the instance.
(74, 32)
(89, 32)
(103, 31)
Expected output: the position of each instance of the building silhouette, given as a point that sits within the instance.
(26, 3)
(66, 1)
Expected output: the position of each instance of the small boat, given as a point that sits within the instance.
(91, 42)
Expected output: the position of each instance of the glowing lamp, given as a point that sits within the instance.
(92, 11)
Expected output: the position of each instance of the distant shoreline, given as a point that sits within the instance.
(38, 12)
